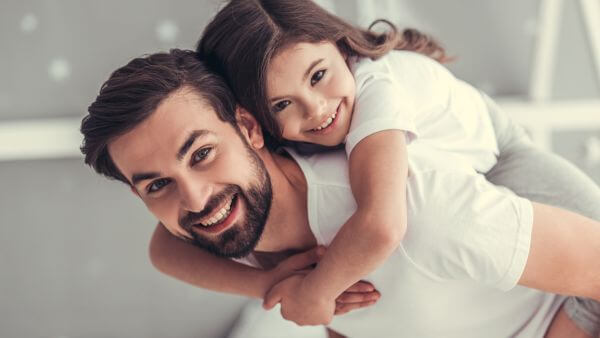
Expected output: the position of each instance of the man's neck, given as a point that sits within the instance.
(287, 227)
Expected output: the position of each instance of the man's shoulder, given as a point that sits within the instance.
(324, 169)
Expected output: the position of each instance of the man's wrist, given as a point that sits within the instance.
(266, 280)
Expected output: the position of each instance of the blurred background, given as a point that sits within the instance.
(73, 246)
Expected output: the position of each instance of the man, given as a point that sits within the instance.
(171, 130)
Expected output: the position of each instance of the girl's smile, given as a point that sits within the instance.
(329, 124)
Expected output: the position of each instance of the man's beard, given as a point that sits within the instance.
(240, 239)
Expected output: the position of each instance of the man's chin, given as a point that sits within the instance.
(235, 242)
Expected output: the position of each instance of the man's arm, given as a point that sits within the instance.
(195, 266)
(564, 257)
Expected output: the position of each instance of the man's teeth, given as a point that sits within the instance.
(219, 215)
(327, 122)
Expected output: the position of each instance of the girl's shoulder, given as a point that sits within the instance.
(396, 61)
(399, 66)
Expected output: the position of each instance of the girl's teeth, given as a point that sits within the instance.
(326, 123)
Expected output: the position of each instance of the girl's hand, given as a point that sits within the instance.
(300, 262)
(359, 295)
(298, 304)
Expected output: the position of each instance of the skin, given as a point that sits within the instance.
(310, 86)
(154, 146)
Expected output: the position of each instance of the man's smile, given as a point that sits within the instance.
(222, 218)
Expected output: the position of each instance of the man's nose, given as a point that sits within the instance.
(195, 195)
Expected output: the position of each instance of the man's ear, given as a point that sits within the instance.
(250, 128)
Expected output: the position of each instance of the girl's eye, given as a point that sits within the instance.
(201, 154)
(317, 76)
(281, 105)
(157, 185)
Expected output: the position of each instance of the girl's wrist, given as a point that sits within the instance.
(314, 291)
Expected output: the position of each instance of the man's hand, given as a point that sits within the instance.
(359, 295)
(304, 310)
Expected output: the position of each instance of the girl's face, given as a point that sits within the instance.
(311, 93)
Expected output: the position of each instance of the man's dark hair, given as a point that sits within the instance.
(135, 90)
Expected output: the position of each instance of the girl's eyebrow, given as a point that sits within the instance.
(306, 74)
(310, 68)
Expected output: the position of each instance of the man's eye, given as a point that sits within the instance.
(201, 154)
(279, 106)
(157, 185)
(317, 76)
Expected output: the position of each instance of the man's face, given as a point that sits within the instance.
(197, 174)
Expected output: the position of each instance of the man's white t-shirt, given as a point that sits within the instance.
(408, 91)
(455, 273)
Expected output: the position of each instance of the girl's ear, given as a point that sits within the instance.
(249, 127)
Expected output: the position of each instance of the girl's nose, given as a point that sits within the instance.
(316, 108)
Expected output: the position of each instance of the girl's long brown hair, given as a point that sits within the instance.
(245, 35)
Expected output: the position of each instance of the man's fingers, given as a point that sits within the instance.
(304, 259)
(357, 297)
(341, 308)
(270, 302)
(361, 286)
(272, 298)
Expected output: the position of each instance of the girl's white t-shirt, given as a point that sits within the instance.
(411, 92)
(455, 273)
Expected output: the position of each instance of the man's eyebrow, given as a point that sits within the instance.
(306, 74)
(137, 178)
(189, 141)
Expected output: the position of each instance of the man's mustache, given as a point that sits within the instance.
(191, 218)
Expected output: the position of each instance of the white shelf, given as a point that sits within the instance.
(60, 138)
(40, 139)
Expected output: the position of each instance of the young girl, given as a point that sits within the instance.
(310, 77)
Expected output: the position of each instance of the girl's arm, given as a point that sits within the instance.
(564, 256)
(378, 174)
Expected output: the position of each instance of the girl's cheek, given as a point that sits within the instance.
(291, 132)
(288, 134)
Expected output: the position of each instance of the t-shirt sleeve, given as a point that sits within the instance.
(380, 104)
(249, 260)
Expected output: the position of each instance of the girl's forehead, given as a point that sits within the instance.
(300, 55)
(306, 47)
